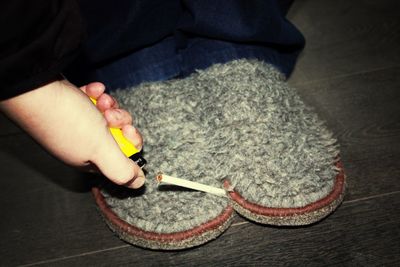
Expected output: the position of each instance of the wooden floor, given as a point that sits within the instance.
(349, 71)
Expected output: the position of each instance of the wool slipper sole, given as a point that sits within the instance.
(159, 241)
(308, 214)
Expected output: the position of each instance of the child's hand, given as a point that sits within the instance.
(63, 119)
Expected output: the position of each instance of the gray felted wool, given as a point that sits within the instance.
(167, 209)
(177, 144)
(240, 123)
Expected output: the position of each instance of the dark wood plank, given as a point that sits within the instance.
(363, 233)
(46, 208)
(7, 127)
(364, 112)
(345, 37)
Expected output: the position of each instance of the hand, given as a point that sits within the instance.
(64, 121)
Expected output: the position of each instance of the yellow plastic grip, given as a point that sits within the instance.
(126, 147)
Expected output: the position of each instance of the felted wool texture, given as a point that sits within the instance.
(177, 145)
(168, 210)
(238, 121)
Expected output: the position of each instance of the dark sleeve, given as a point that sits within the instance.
(38, 39)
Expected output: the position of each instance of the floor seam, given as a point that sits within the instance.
(73, 256)
(341, 76)
(370, 197)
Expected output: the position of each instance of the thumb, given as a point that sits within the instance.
(116, 166)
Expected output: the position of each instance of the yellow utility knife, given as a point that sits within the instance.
(126, 147)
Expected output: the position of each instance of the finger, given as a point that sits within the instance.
(117, 118)
(116, 166)
(133, 135)
(94, 90)
(105, 102)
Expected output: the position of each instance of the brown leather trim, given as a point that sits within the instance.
(255, 208)
(134, 231)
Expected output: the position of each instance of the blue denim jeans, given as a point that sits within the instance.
(179, 37)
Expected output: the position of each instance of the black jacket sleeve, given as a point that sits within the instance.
(38, 39)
